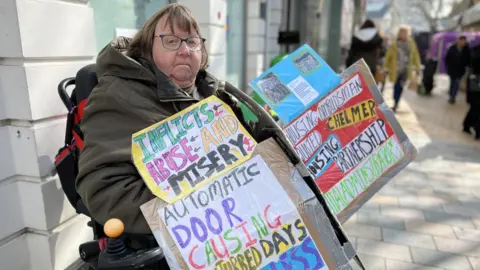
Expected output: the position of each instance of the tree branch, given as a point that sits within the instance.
(430, 10)
(425, 10)
(439, 8)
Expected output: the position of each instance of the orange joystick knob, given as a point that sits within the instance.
(113, 228)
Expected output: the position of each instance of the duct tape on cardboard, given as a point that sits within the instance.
(387, 160)
(351, 142)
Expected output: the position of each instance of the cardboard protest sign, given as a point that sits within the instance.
(295, 83)
(349, 140)
(241, 218)
(178, 155)
(259, 215)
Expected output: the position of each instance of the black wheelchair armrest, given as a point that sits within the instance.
(142, 259)
(82, 209)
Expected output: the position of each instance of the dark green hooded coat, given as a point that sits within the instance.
(130, 96)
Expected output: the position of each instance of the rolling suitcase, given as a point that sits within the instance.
(472, 119)
(428, 74)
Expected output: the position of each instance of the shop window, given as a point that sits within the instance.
(235, 38)
(121, 17)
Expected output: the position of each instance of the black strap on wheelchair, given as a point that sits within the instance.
(140, 241)
(69, 127)
(76, 129)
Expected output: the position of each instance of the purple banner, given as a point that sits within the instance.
(442, 41)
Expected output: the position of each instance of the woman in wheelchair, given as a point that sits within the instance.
(141, 81)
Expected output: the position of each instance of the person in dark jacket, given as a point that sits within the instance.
(366, 44)
(471, 123)
(142, 81)
(457, 60)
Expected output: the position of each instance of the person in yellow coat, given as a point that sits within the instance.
(401, 61)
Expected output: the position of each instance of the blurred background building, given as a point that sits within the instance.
(425, 16)
(44, 42)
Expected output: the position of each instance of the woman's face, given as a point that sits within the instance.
(181, 65)
(403, 34)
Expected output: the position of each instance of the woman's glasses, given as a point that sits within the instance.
(173, 43)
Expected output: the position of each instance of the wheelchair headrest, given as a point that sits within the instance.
(85, 81)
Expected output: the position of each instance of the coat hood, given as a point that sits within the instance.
(366, 39)
(366, 34)
(113, 61)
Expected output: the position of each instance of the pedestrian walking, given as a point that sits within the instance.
(367, 44)
(457, 60)
(401, 61)
(471, 123)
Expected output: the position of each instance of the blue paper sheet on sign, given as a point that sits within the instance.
(296, 83)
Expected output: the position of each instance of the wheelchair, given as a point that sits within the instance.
(108, 249)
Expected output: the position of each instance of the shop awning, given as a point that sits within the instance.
(452, 23)
(378, 8)
(471, 15)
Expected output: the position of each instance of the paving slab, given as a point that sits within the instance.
(462, 210)
(403, 213)
(467, 234)
(434, 229)
(440, 259)
(455, 246)
(476, 221)
(363, 231)
(381, 221)
(373, 262)
(423, 202)
(475, 262)
(399, 265)
(384, 250)
(406, 238)
(384, 200)
(458, 219)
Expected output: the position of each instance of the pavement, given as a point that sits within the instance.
(428, 216)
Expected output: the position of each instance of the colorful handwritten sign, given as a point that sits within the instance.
(183, 152)
(345, 141)
(241, 220)
(295, 83)
(362, 176)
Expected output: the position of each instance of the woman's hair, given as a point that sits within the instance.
(403, 28)
(368, 24)
(177, 14)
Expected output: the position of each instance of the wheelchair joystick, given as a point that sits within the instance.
(117, 256)
(114, 228)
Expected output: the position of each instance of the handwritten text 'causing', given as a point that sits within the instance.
(241, 220)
